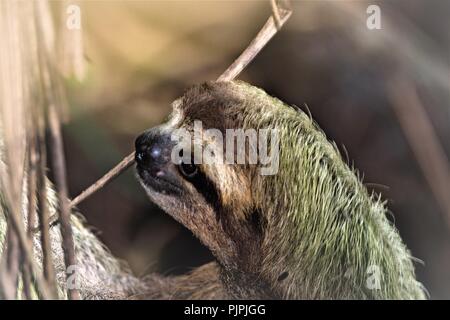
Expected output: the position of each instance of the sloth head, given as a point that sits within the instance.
(214, 199)
(293, 232)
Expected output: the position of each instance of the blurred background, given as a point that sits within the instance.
(381, 95)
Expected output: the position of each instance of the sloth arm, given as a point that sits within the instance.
(201, 283)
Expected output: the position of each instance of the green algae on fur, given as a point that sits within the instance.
(324, 229)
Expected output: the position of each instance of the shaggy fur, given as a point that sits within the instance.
(322, 227)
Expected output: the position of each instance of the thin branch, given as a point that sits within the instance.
(118, 169)
(276, 13)
(261, 39)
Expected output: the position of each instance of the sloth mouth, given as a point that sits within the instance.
(159, 181)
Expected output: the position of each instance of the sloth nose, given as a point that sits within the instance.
(153, 149)
(148, 150)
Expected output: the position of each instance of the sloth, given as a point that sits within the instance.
(311, 230)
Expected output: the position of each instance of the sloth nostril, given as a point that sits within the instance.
(139, 156)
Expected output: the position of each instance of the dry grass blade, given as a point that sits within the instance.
(9, 266)
(32, 186)
(27, 280)
(15, 99)
(71, 53)
(43, 213)
(61, 186)
(30, 93)
(31, 212)
(55, 102)
(261, 39)
(11, 95)
(422, 139)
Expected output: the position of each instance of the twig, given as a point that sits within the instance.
(118, 169)
(261, 39)
(276, 13)
(422, 139)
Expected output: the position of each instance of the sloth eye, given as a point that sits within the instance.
(188, 170)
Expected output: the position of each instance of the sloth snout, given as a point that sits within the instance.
(151, 149)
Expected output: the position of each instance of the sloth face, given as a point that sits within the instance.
(213, 200)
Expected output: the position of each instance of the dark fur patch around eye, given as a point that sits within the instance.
(255, 221)
(283, 276)
(206, 188)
